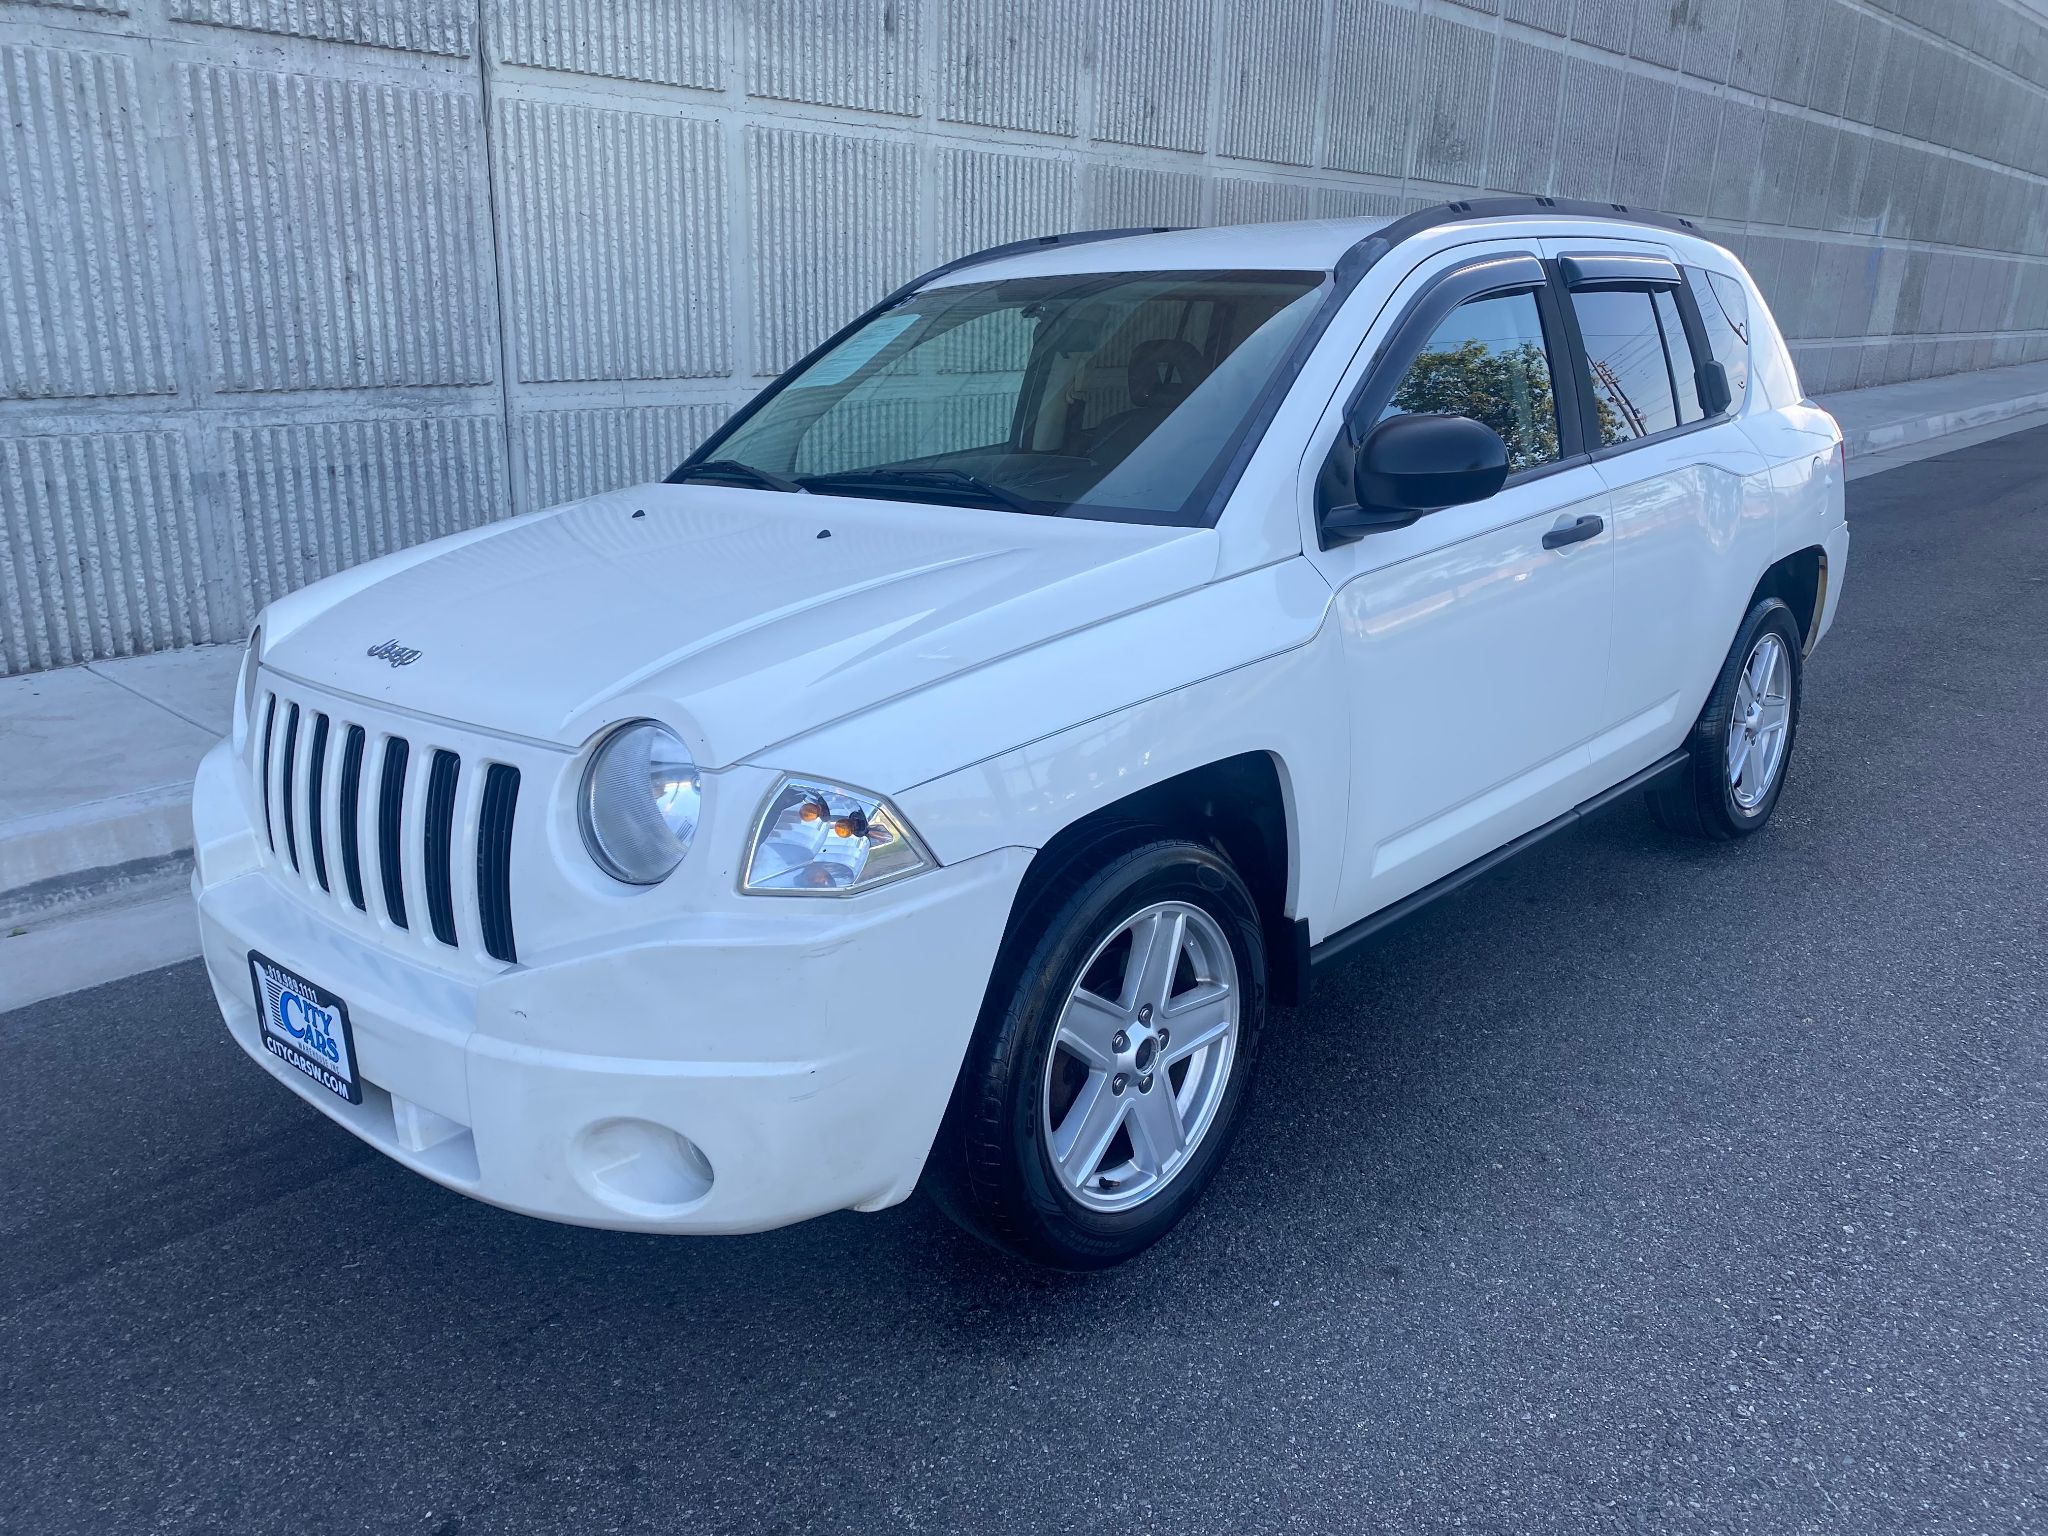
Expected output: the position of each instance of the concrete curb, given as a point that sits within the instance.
(72, 858)
(1888, 436)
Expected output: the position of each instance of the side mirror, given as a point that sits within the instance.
(1711, 380)
(1409, 465)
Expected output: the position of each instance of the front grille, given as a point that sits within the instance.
(440, 833)
(269, 731)
(494, 860)
(352, 814)
(390, 811)
(316, 776)
(346, 795)
(291, 762)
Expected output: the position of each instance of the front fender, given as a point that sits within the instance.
(1007, 755)
(1286, 707)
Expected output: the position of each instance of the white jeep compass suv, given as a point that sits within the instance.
(941, 773)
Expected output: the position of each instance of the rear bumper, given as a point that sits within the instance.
(780, 1061)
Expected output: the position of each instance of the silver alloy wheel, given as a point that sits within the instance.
(1761, 725)
(1141, 1056)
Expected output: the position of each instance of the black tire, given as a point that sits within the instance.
(1701, 801)
(991, 1169)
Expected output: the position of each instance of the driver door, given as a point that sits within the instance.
(1476, 639)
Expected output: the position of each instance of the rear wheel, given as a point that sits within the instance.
(1105, 1078)
(1741, 746)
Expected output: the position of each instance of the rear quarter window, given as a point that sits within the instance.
(1724, 309)
(1773, 376)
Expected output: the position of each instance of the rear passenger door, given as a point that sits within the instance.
(1691, 502)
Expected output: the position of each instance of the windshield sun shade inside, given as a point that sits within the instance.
(1109, 395)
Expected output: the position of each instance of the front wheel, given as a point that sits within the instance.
(1741, 745)
(1105, 1078)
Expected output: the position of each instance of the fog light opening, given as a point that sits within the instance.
(641, 1168)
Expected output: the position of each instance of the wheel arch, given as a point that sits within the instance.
(1800, 579)
(1243, 805)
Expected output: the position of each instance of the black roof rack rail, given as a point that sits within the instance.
(1465, 210)
(1363, 256)
(708, 449)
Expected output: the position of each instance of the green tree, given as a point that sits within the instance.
(1507, 390)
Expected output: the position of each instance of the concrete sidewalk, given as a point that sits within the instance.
(96, 762)
(1898, 423)
(96, 766)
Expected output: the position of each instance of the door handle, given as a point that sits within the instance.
(1574, 533)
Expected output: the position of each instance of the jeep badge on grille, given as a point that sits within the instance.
(391, 651)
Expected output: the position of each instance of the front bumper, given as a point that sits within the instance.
(778, 1060)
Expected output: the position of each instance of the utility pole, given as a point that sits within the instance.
(1612, 384)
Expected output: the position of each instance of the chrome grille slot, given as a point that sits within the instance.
(352, 807)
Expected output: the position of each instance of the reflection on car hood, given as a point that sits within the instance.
(761, 615)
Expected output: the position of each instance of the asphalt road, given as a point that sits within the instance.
(1647, 1187)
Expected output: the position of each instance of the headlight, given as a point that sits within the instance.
(816, 838)
(640, 801)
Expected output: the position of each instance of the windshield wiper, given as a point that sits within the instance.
(733, 469)
(925, 480)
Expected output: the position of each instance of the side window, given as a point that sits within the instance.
(1632, 378)
(1488, 361)
(1724, 309)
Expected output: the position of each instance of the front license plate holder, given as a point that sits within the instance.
(306, 1027)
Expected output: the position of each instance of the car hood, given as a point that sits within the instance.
(756, 616)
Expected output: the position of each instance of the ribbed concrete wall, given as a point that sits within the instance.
(286, 283)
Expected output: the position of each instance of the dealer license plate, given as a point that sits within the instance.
(306, 1027)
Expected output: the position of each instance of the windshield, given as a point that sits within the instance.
(1109, 395)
